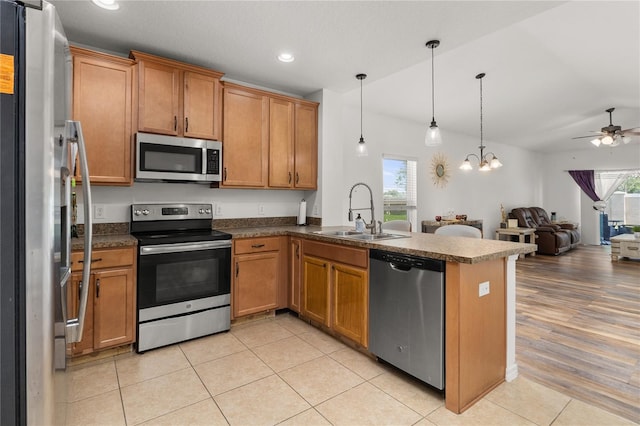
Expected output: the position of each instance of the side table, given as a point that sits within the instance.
(625, 245)
(522, 233)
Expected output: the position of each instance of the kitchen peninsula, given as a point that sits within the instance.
(479, 327)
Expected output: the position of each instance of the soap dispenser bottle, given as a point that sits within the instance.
(359, 224)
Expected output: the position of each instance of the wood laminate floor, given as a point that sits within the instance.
(578, 326)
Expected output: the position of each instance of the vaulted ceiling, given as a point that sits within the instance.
(552, 67)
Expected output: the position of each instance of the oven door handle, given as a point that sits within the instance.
(183, 247)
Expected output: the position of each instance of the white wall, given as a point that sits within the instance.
(562, 194)
(476, 194)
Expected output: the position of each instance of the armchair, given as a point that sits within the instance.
(551, 238)
(540, 216)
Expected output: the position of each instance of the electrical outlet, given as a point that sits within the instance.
(218, 209)
(315, 210)
(483, 289)
(98, 211)
(261, 209)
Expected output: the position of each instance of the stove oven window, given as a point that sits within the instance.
(177, 277)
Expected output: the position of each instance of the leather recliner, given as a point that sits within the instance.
(551, 239)
(541, 217)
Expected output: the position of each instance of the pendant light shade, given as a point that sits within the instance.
(433, 137)
(362, 146)
(487, 161)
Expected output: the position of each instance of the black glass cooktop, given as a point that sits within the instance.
(173, 237)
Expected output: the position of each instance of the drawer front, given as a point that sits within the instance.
(256, 245)
(104, 258)
(338, 253)
(630, 249)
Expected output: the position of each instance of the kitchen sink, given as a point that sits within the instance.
(353, 235)
(338, 233)
(376, 237)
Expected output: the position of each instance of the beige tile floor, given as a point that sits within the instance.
(282, 371)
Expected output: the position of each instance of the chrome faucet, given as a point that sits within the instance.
(372, 226)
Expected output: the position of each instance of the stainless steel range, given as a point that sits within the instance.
(184, 274)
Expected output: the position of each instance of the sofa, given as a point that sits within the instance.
(551, 238)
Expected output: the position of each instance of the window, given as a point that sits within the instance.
(624, 205)
(399, 177)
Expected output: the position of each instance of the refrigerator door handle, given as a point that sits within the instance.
(75, 326)
(65, 270)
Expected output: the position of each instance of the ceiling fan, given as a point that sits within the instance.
(612, 135)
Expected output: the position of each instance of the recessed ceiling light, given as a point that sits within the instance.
(106, 4)
(286, 57)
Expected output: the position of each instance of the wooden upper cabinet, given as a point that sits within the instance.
(246, 138)
(281, 173)
(202, 97)
(103, 103)
(306, 146)
(178, 99)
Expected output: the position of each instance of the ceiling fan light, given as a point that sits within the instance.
(433, 137)
(466, 165)
(626, 139)
(607, 140)
(596, 141)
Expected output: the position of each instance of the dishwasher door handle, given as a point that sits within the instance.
(399, 268)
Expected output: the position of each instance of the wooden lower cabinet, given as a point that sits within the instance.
(350, 289)
(295, 273)
(260, 279)
(335, 289)
(110, 314)
(315, 287)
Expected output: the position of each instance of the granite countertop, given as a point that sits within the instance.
(452, 249)
(105, 241)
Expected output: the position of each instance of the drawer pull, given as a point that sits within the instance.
(257, 245)
(632, 248)
(92, 260)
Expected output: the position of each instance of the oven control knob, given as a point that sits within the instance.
(201, 211)
(137, 212)
(145, 212)
(208, 211)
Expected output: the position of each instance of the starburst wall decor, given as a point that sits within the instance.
(439, 170)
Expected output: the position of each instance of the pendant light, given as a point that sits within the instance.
(486, 163)
(433, 137)
(362, 147)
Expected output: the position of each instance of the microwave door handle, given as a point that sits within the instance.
(75, 326)
(204, 161)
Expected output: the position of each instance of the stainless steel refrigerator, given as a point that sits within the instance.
(40, 152)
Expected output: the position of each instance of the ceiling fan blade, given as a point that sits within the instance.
(633, 131)
(590, 136)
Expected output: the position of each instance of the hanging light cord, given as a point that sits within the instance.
(433, 94)
(361, 109)
(481, 130)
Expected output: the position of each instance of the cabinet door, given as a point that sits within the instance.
(306, 146)
(255, 284)
(295, 272)
(350, 302)
(245, 137)
(280, 143)
(102, 101)
(315, 289)
(114, 307)
(202, 106)
(73, 304)
(159, 99)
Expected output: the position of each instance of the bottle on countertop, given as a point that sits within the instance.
(359, 224)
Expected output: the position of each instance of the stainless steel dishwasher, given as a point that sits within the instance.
(406, 314)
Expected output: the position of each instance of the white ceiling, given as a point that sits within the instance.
(552, 67)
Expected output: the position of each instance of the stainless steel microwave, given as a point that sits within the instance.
(170, 158)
